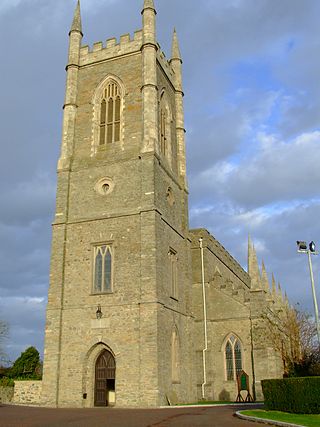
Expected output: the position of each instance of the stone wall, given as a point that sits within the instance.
(6, 394)
(227, 288)
(27, 392)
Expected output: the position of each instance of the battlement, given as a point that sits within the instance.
(112, 48)
(221, 253)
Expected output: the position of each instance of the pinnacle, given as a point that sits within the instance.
(253, 267)
(264, 278)
(274, 286)
(175, 51)
(76, 24)
(148, 4)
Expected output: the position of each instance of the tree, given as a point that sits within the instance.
(292, 334)
(27, 366)
(309, 363)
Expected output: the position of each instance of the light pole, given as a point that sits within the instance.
(303, 249)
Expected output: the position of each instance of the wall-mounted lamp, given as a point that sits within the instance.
(99, 312)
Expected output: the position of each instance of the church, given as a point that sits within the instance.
(142, 310)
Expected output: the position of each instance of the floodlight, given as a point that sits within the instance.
(311, 250)
(302, 246)
(312, 246)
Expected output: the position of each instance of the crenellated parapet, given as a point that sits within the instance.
(111, 48)
(224, 257)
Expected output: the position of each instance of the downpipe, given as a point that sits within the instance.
(204, 322)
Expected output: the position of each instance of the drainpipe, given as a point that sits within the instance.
(204, 322)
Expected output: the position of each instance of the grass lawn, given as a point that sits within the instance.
(208, 402)
(300, 419)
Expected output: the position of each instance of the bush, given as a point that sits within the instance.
(6, 382)
(297, 395)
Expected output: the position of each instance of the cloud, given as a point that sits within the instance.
(281, 171)
(252, 104)
(25, 317)
(9, 4)
(28, 201)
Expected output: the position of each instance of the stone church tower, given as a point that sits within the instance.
(142, 311)
(119, 319)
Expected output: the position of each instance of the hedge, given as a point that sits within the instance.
(297, 395)
(6, 382)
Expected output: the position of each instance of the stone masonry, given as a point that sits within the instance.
(131, 195)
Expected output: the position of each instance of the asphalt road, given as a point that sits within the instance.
(22, 416)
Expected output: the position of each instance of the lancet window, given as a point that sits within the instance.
(173, 266)
(110, 114)
(163, 132)
(233, 358)
(175, 356)
(102, 272)
(165, 123)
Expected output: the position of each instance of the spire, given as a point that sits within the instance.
(76, 23)
(175, 50)
(264, 279)
(253, 268)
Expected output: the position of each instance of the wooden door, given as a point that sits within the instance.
(105, 378)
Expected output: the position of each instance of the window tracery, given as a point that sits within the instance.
(233, 358)
(102, 271)
(108, 106)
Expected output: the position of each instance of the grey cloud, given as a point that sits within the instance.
(280, 172)
(278, 232)
(26, 318)
(214, 37)
(270, 173)
(28, 201)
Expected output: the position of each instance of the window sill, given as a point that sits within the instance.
(93, 294)
(176, 382)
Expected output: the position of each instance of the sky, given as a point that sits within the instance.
(252, 114)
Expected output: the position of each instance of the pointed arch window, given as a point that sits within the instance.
(173, 265)
(110, 114)
(175, 356)
(163, 132)
(165, 122)
(233, 358)
(102, 269)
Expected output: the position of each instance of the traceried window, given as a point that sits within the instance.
(110, 112)
(175, 356)
(102, 271)
(233, 358)
(173, 266)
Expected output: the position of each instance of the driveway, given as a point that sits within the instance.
(216, 416)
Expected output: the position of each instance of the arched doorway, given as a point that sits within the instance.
(105, 380)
